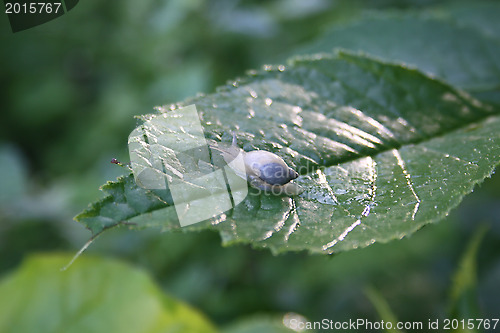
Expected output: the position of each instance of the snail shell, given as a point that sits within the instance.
(263, 170)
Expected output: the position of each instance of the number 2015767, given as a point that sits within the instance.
(32, 8)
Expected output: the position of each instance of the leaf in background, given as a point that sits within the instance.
(482, 15)
(94, 295)
(464, 299)
(382, 150)
(462, 55)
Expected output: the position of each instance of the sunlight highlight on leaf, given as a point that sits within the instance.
(379, 151)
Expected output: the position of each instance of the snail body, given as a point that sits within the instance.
(263, 170)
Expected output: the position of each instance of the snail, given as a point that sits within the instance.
(262, 169)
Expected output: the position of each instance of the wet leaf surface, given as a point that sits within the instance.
(381, 149)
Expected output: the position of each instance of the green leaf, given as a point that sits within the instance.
(462, 55)
(382, 150)
(482, 15)
(464, 301)
(93, 295)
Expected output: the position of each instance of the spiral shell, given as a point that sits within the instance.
(263, 170)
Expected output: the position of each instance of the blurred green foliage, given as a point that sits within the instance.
(71, 89)
(104, 288)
